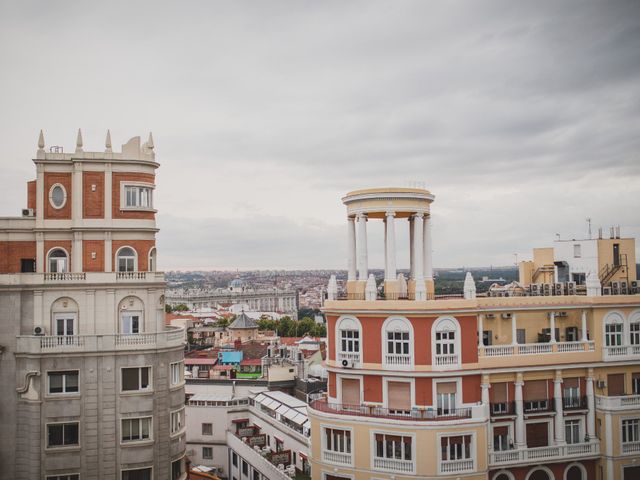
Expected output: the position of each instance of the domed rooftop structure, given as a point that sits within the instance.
(237, 285)
(243, 322)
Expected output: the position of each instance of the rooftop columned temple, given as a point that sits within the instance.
(392, 206)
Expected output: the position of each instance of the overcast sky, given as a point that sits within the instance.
(523, 118)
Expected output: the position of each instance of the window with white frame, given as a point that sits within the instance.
(138, 196)
(177, 421)
(207, 453)
(394, 447)
(350, 341)
(446, 397)
(63, 382)
(613, 334)
(57, 196)
(446, 342)
(130, 321)
(135, 429)
(631, 430)
(398, 343)
(501, 438)
(176, 373)
(63, 434)
(456, 447)
(64, 324)
(571, 393)
(207, 429)
(58, 261)
(127, 260)
(137, 474)
(634, 333)
(572, 431)
(337, 440)
(136, 379)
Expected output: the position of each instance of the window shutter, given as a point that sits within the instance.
(498, 392)
(571, 382)
(615, 384)
(535, 390)
(350, 391)
(399, 395)
(502, 430)
(448, 387)
(537, 435)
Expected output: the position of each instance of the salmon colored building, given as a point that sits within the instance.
(527, 387)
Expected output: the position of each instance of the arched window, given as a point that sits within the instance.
(634, 328)
(127, 260)
(348, 340)
(397, 337)
(445, 336)
(152, 260)
(131, 315)
(540, 473)
(58, 261)
(575, 472)
(613, 330)
(503, 475)
(64, 320)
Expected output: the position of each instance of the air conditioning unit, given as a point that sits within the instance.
(606, 291)
(558, 289)
(506, 316)
(489, 316)
(28, 212)
(623, 288)
(38, 330)
(571, 288)
(635, 284)
(601, 384)
(534, 289)
(615, 288)
(635, 290)
(346, 363)
(561, 314)
(546, 289)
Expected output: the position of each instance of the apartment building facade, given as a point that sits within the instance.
(93, 381)
(499, 388)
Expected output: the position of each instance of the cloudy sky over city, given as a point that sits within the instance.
(523, 118)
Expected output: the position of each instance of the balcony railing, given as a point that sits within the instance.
(574, 403)
(397, 359)
(445, 360)
(536, 348)
(503, 408)
(416, 414)
(339, 458)
(542, 405)
(353, 357)
(171, 337)
(393, 464)
(255, 459)
(79, 278)
(621, 351)
(631, 447)
(623, 402)
(539, 454)
(456, 466)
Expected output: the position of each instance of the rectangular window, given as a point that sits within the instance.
(177, 421)
(577, 251)
(66, 476)
(572, 431)
(498, 396)
(130, 322)
(138, 197)
(535, 395)
(501, 440)
(455, 448)
(137, 474)
(136, 429)
(393, 446)
(207, 429)
(136, 379)
(631, 430)
(245, 468)
(571, 393)
(350, 341)
(615, 385)
(446, 398)
(613, 334)
(234, 459)
(63, 382)
(63, 434)
(398, 343)
(207, 453)
(64, 324)
(176, 469)
(635, 383)
(337, 440)
(445, 343)
(177, 373)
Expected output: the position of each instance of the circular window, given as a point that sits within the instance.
(57, 196)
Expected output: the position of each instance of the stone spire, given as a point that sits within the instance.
(370, 289)
(79, 141)
(332, 288)
(107, 142)
(41, 142)
(469, 286)
(150, 144)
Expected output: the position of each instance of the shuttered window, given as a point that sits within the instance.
(498, 393)
(535, 395)
(615, 384)
(635, 383)
(399, 396)
(501, 438)
(350, 391)
(537, 435)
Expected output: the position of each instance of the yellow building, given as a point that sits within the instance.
(531, 387)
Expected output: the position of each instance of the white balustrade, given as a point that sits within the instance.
(456, 466)
(539, 454)
(135, 339)
(631, 447)
(397, 359)
(131, 275)
(499, 350)
(350, 356)
(449, 359)
(64, 276)
(534, 348)
(570, 347)
(625, 402)
(393, 464)
(63, 342)
(339, 458)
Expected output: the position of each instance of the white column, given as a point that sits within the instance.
(514, 330)
(40, 253)
(486, 404)
(412, 260)
(584, 326)
(591, 405)
(76, 189)
(418, 247)
(480, 330)
(520, 442)
(390, 247)
(363, 268)
(427, 253)
(485, 393)
(76, 252)
(559, 418)
(552, 318)
(351, 248)
(108, 253)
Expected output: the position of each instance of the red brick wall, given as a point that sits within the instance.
(31, 194)
(471, 391)
(133, 177)
(49, 244)
(142, 248)
(89, 264)
(93, 201)
(50, 178)
(372, 388)
(12, 252)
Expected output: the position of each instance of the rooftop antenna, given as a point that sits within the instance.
(516, 255)
(589, 223)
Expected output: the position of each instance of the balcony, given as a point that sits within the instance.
(622, 352)
(540, 454)
(255, 459)
(79, 278)
(536, 349)
(41, 344)
(624, 402)
(397, 360)
(538, 406)
(353, 357)
(338, 458)
(413, 415)
(630, 447)
(503, 408)
(447, 360)
(456, 466)
(393, 465)
(574, 403)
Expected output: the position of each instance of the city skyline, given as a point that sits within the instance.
(521, 119)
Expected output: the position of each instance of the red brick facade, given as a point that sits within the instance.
(90, 264)
(50, 179)
(11, 254)
(142, 248)
(132, 177)
(93, 199)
